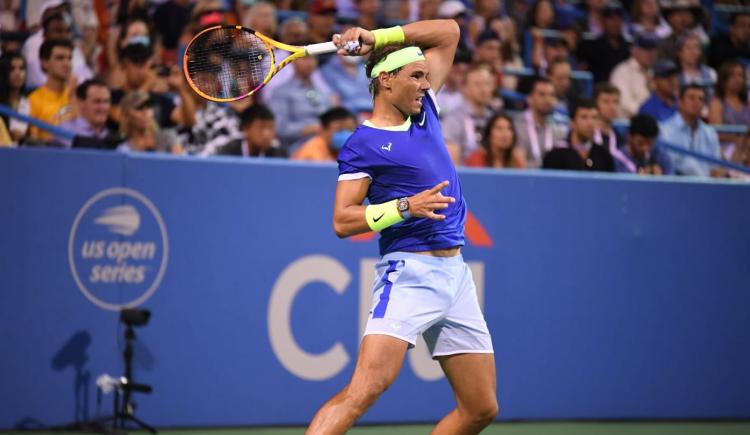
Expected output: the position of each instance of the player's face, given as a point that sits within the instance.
(409, 87)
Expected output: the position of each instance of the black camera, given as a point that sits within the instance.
(135, 316)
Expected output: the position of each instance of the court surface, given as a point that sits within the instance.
(516, 428)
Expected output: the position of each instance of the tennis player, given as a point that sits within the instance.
(399, 162)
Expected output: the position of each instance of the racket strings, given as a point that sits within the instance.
(228, 63)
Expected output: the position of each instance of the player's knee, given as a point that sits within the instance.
(367, 394)
(485, 413)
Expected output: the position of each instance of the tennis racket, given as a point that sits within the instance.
(227, 63)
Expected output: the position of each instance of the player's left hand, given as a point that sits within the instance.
(356, 41)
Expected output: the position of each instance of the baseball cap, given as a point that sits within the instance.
(648, 41)
(665, 68)
(320, 7)
(451, 9)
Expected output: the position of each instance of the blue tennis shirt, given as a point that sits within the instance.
(403, 161)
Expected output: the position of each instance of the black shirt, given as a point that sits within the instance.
(602, 57)
(599, 159)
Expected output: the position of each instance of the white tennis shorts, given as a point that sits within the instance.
(433, 296)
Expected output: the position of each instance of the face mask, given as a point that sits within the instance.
(144, 40)
(339, 139)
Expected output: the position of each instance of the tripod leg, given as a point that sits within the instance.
(139, 422)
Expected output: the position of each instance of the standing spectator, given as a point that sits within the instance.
(535, 128)
(140, 129)
(601, 55)
(93, 103)
(685, 129)
(690, 61)
(465, 124)
(337, 125)
(12, 79)
(662, 103)
(632, 76)
(607, 98)
(51, 101)
(645, 17)
(730, 104)
(345, 75)
(640, 156)
(299, 103)
(683, 16)
(170, 20)
(580, 152)
(133, 31)
(735, 45)
(499, 148)
(258, 135)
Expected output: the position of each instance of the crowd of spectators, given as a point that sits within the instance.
(587, 85)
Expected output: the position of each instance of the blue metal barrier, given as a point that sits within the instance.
(55, 130)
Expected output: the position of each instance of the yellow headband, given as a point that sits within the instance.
(397, 59)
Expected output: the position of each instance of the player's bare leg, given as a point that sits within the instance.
(380, 359)
(472, 377)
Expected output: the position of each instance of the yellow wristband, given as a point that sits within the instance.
(391, 35)
(382, 216)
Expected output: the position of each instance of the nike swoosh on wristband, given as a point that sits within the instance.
(378, 218)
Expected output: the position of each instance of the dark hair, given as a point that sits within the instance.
(45, 51)
(734, 16)
(531, 17)
(537, 80)
(83, 89)
(375, 57)
(725, 70)
(557, 61)
(136, 53)
(580, 103)
(687, 87)
(335, 114)
(644, 125)
(486, 138)
(6, 63)
(254, 113)
(49, 19)
(605, 88)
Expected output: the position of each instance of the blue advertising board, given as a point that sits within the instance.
(608, 297)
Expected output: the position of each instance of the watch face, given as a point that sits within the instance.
(403, 204)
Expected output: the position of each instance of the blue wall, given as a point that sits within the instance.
(607, 297)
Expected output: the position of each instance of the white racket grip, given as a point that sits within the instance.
(322, 48)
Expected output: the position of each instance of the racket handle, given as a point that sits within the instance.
(322, 48)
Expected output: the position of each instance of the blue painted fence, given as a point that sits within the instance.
(608, 297)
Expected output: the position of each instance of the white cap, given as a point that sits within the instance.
(451, 9)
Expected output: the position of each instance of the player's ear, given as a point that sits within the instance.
(385, 80)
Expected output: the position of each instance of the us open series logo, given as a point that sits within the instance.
(118, 248)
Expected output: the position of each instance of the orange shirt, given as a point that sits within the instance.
(315, 149)
(49, 106)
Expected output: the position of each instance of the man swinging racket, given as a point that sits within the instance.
(399, 162)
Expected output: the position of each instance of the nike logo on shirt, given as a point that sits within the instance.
(424, 116)
(386, 147)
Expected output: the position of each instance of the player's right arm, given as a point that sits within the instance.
(350, 215)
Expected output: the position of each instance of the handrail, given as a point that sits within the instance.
(55, 130)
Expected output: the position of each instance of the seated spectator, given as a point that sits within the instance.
(607, 98)
(741, 155)
(559, 72)
(735, 45)
(135, 30)
(535, 128)
(12, 80)
(261, 16)
(632, 76)
(730, 104)
(337, 125)
(93, 103)
(321, 20)
(580, 152)
(541, 17)
(683, 17)
(662, 102)
(5, 139)
(487, 51)
(170, 20)
(451, 95)
(51, 102)
(299, 103)
(639, 155)
(686, 129)
(140, 129)
(690, 62)
(611, 42)
(465, 124)
(56, 21)
(499, 148)
(368, 14)
(645, 17)
(258, 135)
(345, 75)
(593, 22)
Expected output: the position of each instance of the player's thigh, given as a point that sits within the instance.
(473, 379)
(379, 362)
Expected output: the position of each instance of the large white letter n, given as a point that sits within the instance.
(313, 367)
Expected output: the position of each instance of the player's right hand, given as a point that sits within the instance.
(356, 41)
(425, 203)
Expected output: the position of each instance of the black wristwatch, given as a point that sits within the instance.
(403, 208)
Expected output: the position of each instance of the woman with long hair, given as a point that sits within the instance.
(645, 17)
(691, 63)
(499, 148)
(730, 102)
(12, 79)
